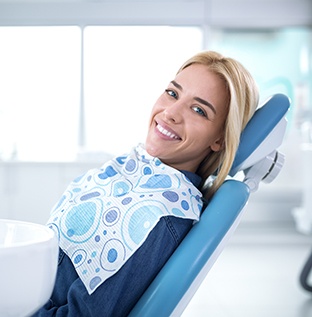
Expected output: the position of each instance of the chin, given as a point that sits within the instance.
(150, 149)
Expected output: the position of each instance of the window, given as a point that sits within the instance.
(40, 91)
(44, 114)
(279, 60)
(126, 69)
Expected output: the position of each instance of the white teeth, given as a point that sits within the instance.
(166, 132)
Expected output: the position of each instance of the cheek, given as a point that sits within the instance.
(200, 129)
(156, 107)
(205, 136)
(160, 102)
(152, 114)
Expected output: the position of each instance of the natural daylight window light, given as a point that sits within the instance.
(124, 71)
(39, 100)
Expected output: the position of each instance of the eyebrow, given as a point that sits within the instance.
(204, 102)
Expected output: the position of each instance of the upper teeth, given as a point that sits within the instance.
(166, 132)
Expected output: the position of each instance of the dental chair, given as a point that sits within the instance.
(258, 160)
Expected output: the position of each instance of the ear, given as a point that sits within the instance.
(218, 144)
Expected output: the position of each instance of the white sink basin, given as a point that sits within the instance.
(28, 264)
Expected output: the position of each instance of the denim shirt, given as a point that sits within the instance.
(118, 295)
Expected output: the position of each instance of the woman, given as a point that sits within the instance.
(193, 133)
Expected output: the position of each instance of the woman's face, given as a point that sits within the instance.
(187, 120)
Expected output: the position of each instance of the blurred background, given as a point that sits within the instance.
(78, 79)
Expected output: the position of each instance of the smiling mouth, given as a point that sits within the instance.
(167, 133)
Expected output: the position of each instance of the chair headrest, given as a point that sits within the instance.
(263, 133)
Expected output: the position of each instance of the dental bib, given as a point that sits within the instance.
(105, 215)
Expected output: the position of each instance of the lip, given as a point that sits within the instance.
(165, 132)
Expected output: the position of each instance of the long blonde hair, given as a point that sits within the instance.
(243, 100)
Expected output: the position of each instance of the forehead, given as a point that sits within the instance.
(198, 73)
(199, 81)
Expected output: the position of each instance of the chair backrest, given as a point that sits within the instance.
(179, 279)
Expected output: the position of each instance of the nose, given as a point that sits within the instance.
(174, 113)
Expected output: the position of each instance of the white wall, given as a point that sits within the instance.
(214, 13)
(29, 190)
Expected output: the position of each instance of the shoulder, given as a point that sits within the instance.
(177, 227)
(192, 177)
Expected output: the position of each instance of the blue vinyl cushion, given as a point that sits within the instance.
(177, 275)
(261, 124)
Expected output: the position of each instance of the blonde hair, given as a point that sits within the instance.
(243, 99)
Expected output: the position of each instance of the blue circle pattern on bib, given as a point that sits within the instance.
(105, 215)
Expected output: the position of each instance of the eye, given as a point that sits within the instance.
(200, 111)
(172, 93)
